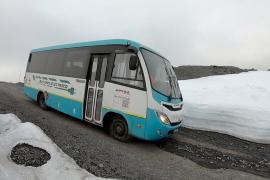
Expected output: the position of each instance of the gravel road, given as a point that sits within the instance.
(181, 157)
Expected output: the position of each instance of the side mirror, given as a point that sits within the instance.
(133, 62)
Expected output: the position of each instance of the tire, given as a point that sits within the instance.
(41, 102)
(119, 129)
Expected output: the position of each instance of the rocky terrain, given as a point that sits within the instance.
(191, 72)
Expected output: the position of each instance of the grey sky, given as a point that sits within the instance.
(200, 32)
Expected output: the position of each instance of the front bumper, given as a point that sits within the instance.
(157, 130)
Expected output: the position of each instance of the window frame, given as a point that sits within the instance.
(128, 85)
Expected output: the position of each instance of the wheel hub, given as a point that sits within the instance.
(119, 130)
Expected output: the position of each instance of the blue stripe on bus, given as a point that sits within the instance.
(92, 43)
(155, 129)
(97, 43)
(31, 92)
(67, 106)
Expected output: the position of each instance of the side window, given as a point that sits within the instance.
(122, 74)
(38, 62)
(76, 63)
(55, 63)
(103, 72)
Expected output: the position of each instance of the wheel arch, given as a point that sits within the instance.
(107, 120)
(38, 95)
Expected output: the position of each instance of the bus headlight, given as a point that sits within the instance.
(164, 118)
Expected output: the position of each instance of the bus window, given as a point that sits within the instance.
(94, 70)
(122, 74)
(55, 63)
(76, 63)
(38, 62)
(103, 72)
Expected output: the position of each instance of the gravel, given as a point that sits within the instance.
(215, 150)
(98, 153)
(27, 155)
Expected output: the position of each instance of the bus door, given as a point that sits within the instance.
(95, 88)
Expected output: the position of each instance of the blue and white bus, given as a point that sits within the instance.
(121, 85)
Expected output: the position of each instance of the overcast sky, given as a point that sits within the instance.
(187, 32)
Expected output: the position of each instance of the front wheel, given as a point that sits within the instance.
(41, 102)
(119, 129)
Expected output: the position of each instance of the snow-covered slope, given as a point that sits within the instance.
(237, 104)
(60, 166)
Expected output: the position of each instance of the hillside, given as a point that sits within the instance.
(192, 72)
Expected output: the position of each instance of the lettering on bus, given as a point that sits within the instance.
(121, 98)
(53, 83)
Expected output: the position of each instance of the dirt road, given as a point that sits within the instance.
(181, 157)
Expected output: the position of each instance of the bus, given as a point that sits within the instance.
(120, 85)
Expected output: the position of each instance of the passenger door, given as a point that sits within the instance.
(96, 88)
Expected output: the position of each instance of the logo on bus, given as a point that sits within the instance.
(53, 83)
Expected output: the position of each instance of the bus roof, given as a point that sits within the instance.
(93, 43)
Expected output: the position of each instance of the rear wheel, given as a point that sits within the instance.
(119, 129)
(41, 102)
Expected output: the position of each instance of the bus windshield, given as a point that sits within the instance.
(162, 76)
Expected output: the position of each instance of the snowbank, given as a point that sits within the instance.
(60, 166)
(237, 104)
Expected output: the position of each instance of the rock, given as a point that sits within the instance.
(101, 165)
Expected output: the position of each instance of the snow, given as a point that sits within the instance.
(60, 166)
(237, 104)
